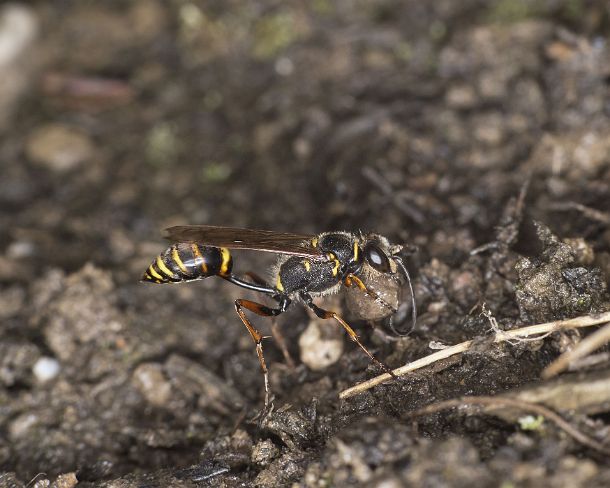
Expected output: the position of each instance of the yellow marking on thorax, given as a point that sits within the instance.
(336, 268)
(314, 242)
(278, 283)
(164, 269)
(307, 265)
(178, 261)
(226, 260)
(356, 250)
(154, 273)
(331, 257)
(204, 266)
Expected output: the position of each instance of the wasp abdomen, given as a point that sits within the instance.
(185, 261)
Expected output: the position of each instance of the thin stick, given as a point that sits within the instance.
(503, 402)
(589, 212)
(582, 349)
(279, 339)
(584, 321)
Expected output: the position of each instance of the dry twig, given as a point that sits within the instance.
(502, 402)
(582, 349)
(586, 393)
(591, 213)
(532, 330)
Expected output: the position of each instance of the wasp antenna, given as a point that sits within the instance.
(398, 260)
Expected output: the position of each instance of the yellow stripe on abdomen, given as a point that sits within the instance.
(163, 268)
(197, 254)
(153, 272)
(178, 261)
(226, 261)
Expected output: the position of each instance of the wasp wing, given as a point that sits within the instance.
(253, 239)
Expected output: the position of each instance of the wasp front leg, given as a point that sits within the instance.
(327, 314)
(352, 280)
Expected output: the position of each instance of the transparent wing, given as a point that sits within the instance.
(252, 239)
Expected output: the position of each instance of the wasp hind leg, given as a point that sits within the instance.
(327, 314)
(257, 337)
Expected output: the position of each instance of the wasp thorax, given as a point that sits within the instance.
(338, 244)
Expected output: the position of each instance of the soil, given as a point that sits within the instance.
(476, 131)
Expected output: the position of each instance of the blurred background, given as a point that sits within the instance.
(417, 120)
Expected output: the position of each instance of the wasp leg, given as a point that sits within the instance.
(275, 331)
(281, 343)
(257, 337)
(351, 280)
(327, 314)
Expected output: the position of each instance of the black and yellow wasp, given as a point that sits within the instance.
(308, 266)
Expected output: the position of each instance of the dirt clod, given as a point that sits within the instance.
(550, 288)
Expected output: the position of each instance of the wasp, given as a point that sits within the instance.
(308, 266)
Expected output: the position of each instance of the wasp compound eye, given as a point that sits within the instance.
(377, 258)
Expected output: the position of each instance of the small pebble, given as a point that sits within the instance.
(21, 425)
(66, 480)
(21, 249)
(152, 383)
(58, 147)
(321, 345)
(46, 368)
(19, 28)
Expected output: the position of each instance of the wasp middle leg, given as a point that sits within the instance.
(327, 314)
(263, 287)
(257, 337)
